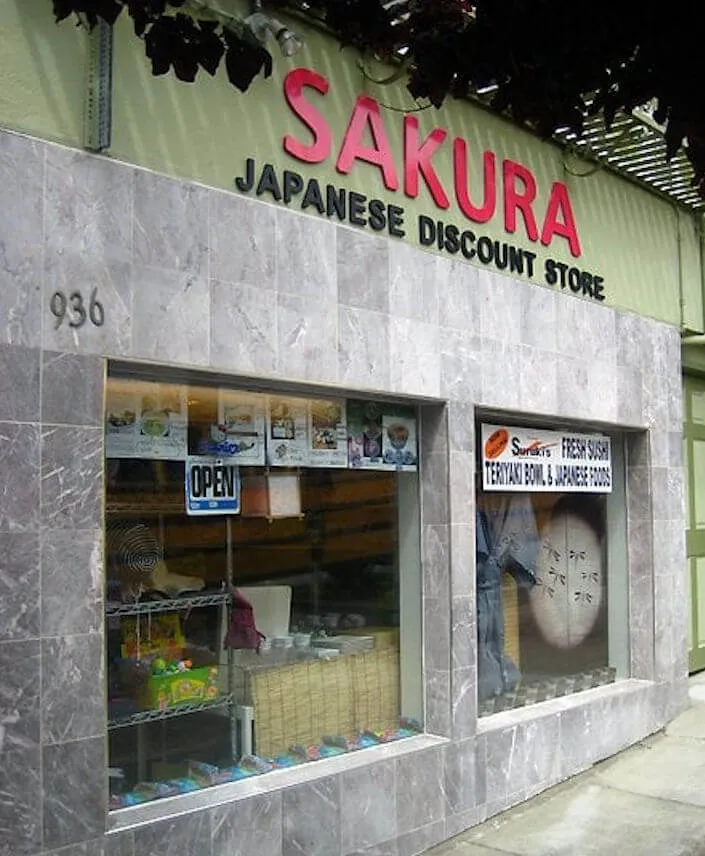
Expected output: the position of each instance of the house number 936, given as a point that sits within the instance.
(74, 309)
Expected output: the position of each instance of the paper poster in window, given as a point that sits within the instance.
(328, 433)
(163, 422)
(364, 434)
(287, 432)
(121, 425)
(239, 432)
(399, 446)
(146, 420)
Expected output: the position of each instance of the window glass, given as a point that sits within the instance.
(545, 575)
(262, 566)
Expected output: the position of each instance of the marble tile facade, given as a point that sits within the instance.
(194, 277)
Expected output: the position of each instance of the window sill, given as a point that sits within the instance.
(507, 718)
(138, 815)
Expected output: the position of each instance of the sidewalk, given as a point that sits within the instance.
(648, 801)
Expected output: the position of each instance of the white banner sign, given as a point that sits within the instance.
(533, 460)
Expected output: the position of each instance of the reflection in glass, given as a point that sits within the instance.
(541, 597)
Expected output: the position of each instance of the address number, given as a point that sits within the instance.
(73, 309)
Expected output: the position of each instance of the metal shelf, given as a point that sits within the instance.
(156, 715)
(113, 607)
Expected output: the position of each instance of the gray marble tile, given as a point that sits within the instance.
(538, 317)
(602, 390)
(500, 306)
(413, 289)
(307, 331)
(75, 792)
(187, 835)
(311, 819)
(368, 807)
(363, 270)
(306, 257)
(573, 390)
(386, 848)
(437, 702)
(630, 405)
(19, 477)
(89, 203)
(461, 369)
(20, 796)
(242, 240)
(461, 777)
(19, 383)
(641, 654)
(640, 548)
(96, 847)
(436, 561)
(19, 695)
(171, 318)
(541, 738)
(421, 840)
(72, 389)
(434, 489)
(585, 329)
(170, 223)
(506, 755)
(72, 475)
(19, 585)
(461, 426)
(638, 494)
(120, 844)
(628, 339)
(538, 390)
(654, 402)
(436, 634)
(72, 669)
(576, 753)
(464, 701)
(21, 225)
(363, 348)
(458, 295)
(243, 328)
(462, 560)
(455, 824)
(501, 374)
(462, 487)
(668, 494)
(108, 281)
(71, 582)
(463, 632)
(414, 353)
(434, 430)
(243, 828)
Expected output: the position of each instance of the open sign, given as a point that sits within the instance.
(212, 486)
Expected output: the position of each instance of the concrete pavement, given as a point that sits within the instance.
(648, 801)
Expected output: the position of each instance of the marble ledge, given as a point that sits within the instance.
(520, 715)
(219, 795)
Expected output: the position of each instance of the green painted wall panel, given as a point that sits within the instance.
(42, 72)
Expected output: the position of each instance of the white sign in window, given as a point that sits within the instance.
(534, 460)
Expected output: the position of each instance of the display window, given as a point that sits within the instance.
(550, 564)
(263, 594)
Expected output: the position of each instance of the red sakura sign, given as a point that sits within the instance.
(507, 186)
(518, 182)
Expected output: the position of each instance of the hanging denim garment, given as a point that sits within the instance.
(506, 539)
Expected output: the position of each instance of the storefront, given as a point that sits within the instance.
(319, 538)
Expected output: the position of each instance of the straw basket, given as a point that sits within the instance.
(302, 702)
